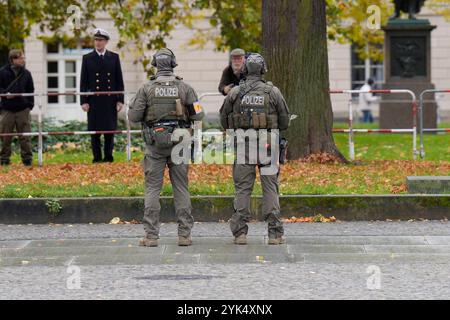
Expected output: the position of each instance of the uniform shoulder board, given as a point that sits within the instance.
(178, 78)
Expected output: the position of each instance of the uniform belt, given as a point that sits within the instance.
(174, 124)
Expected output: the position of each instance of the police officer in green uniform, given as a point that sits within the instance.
(163, 105)
(255, 104)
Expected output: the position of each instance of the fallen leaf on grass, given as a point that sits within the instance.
(399, 189)
(316, 218)
(115, 220)
(321, 158)
(67, 167)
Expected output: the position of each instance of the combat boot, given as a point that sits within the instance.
(241, 239)
(146, 242)
(184, 241)
(276, 241)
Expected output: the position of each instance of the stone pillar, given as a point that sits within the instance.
(407, 51)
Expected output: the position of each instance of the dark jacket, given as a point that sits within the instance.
(228, 77)
(101, 75)
(23, 85)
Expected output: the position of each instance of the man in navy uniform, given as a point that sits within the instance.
(101, 71)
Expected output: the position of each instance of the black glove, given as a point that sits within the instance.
(283, 150)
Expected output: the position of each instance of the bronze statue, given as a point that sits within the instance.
(412, 7)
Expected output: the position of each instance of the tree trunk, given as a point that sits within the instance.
(3, 56)
(295, 48)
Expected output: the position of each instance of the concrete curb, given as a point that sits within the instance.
(215, 208)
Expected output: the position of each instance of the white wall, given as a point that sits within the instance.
(339, 61)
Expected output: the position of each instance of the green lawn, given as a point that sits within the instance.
(386, 161)
(73, 156)
(382, 146)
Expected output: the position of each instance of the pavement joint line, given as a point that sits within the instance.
(70, 261)
(216, 236)
(325, 277)
(288, 251)
(26, 244)
(426, 238)
(364, 248)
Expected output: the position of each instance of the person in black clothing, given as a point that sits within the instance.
(15, 110)
(232, 74)
(101, 71)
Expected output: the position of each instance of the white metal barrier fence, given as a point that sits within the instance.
(422, 129)
(198, 124)
(128, 132)
(351, 130)
(40, 134)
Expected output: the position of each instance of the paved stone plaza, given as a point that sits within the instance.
(348, 260)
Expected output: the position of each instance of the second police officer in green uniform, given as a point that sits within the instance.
(255, 104)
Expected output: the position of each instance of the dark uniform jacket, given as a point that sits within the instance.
(228, 77)
(99, 74)
(23, 85)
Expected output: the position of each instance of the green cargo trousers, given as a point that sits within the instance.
(20, 122)
(155, 162)
(244, 176)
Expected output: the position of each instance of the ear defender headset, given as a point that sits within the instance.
(173, 61)
(264, 67)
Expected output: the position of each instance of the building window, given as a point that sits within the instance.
(71, 79)
(63, 73)
(52, 80)
(365, 69)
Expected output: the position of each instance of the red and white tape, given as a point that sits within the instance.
(67, 133)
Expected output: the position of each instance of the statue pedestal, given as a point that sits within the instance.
(407, 49)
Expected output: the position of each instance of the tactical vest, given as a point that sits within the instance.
(166, 103)
(253, 110)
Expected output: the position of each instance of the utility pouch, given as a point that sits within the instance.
(179, 108)
(272, 121)
(262, 120)
(162, 136)
(255, 120)
(241, 120)
(146, 134)
(246, 120)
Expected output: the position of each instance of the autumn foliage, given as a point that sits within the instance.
(297, 177)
